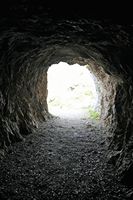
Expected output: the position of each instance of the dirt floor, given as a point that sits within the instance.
(65, 159)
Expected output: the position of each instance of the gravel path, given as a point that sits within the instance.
(64, 160)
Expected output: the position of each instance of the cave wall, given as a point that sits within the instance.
(30, 44)
(23, 90)
(121, 145)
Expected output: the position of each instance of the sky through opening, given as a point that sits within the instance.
(71, 91)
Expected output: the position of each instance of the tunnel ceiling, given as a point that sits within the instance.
(33, 36)
(59, 9)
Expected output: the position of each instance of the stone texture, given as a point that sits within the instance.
(30, 43)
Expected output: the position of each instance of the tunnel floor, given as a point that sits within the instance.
(65, 159)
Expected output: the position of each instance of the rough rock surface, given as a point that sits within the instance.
(31, 40)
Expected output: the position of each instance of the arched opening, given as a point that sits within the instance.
(73, 92)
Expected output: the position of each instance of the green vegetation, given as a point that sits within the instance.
(92, 114)
(74, 101)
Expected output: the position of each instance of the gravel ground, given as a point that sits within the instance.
(65, 159)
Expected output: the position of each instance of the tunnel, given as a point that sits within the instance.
(35, 36)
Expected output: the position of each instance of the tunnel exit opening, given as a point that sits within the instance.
(72, 92)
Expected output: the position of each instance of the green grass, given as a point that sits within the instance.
(92, 114)
(78, 95)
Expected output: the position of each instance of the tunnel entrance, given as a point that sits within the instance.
(72, 92)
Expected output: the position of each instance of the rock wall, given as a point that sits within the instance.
(29, 44)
